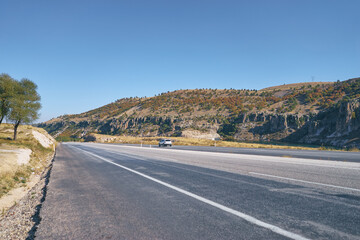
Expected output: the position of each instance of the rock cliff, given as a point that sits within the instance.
(316, 113)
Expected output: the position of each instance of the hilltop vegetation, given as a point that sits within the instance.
(271, 114)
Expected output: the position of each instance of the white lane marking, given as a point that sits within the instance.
(303, 181)
(256, 158)
(214, 204)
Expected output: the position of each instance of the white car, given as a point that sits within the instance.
(165, 142)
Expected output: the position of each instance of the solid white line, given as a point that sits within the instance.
(214, 204)
(303, 181)
(264, 158)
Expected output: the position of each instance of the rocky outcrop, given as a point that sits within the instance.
(137, 125)
(266, 127)
(338, 126)
(211, 134)
(320, 113)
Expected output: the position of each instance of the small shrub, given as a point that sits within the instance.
(353, 115)
(90, 138)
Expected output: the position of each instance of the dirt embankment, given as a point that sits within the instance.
(24, 165)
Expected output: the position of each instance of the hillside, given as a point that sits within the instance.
(314, 113)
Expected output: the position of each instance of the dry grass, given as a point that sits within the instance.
(12, 174)
(354, 149)
(194, 142)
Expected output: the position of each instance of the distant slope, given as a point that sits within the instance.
(297, 85)
(317, 113)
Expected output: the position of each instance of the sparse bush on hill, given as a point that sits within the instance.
(226, 130)
(90, 138)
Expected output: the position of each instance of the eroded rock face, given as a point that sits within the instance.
(348, 118)
(339, 126)
(211, 134)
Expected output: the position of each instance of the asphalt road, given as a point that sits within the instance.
(99, 191)
(309, 154)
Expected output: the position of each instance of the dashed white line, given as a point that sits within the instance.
(303, 181)
(244, 216)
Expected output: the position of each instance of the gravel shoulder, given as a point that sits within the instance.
(21, 220)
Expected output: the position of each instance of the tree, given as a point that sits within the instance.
(7, 87)
(25, 104)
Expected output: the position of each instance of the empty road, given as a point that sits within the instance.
(103, 191)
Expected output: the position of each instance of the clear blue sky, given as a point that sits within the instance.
(84, 53)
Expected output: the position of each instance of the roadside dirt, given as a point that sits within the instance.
(21, 220)
(24, 172)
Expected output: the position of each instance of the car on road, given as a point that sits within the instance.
(165, 143)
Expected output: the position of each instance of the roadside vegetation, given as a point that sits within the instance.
(21, 154)
(19, 101)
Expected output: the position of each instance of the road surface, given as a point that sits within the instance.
(308, 154)
(99, 191)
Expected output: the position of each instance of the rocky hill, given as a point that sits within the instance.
(313, 113)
